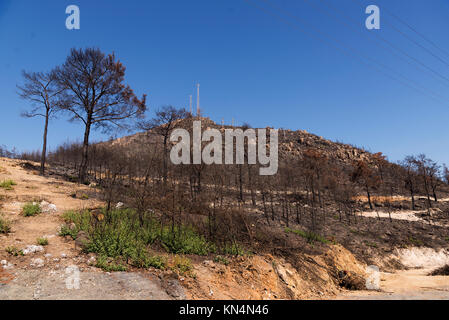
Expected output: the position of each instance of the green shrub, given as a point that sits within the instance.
(119, 239)
(42, 241)
(14, 251)
(31, 209)
(5, 226)
(234, 249)
(66, 231)
(311, 237)
(182, 264)
(184, 240)
(7, 184)
(157, 262)
(110, 265)
(82, 221)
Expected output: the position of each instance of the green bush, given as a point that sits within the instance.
(82, 222)
(42, 241)
(110, 265)
(14, 251)
(234, 249)
(66, 231)
(120, 240)
(5, 226)
(184, 240)
(7, 184)
(31, 209)
(157, 262)
(121, 237)
(182, 264)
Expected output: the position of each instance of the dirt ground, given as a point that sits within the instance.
(414, 284)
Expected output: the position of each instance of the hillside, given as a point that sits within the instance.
(41, 272)
(291, 143)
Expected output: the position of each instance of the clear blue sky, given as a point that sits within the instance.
(251, 66)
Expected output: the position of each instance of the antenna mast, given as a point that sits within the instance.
(198, 111)
(191, 110)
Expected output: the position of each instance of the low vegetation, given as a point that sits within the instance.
(14, 251)
(42, 241)
(310, 236)
(7, 184)
(5, 226)
(31, 209)
(182, 265)
(120, 240)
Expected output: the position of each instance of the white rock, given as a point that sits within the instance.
(48, 207)
(63, 255)
(119, 205)
(92, 261)
(48, 255)
(37, 263)
(8, 266)
(3, 262)
(32, 249)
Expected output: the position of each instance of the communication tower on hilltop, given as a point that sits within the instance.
(191, 110)
(198, 110)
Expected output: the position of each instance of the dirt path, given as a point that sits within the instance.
(56, 285)
(405, 285)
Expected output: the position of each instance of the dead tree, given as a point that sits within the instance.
(41, 90)
(95, 94)
(166, 120)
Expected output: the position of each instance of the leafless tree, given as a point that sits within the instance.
(166, 120)
(42, 91)
(423, 165)
(409, 164)
(368, 176)
(95, 94)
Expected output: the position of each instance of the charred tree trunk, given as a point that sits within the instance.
(44, 145)
(85, 156)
